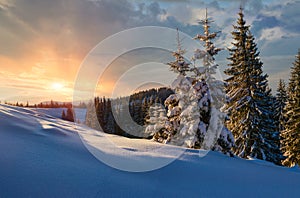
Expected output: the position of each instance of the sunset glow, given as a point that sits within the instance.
(57, 86)
(45, 44)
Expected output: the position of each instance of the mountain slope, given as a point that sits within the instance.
(42, 156)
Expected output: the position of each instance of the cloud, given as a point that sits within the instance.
(277, 27)
(29, 86)
(47, 37)
(275, 33)
(69, 26)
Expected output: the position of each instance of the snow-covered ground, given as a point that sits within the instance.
(43, 156)
(57, 112)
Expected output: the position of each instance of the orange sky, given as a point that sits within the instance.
(44, 42)
(34, 75)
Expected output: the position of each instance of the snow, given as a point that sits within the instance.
(57, 112)
(43, 156)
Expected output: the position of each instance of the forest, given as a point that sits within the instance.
(257, 123)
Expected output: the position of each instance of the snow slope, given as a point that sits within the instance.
(57, 112)
(42, 156)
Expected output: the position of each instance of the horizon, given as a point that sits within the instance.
(77, 101)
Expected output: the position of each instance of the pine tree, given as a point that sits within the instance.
(175, 102)
(91, 116)
(156, 122)
(109, 118)
(70, 115)
(209, 89)
(179, 130)
(281, 99)
(210, 49)
(189, 107)
(291, 133)
(144, 111)
(179, 65)
(190, 114)
(249, 99)
(63, 115)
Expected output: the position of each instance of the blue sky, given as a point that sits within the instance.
(44, 42)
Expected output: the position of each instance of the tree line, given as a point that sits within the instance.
(257, 124)
(100, 111)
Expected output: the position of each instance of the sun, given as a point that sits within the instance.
(57, 86)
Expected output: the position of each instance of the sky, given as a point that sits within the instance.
(44, 43)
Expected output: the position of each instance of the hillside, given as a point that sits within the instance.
(43, 156)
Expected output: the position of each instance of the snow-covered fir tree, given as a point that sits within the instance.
(281, 99)
(189, 109)
(291, 133)
(210, 90)
(91, 119)
(156, 121)
(174, 102)
(189, 117)
(249, 105)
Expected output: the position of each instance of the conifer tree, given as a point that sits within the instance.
(91, 119)
(156, 122)
(144, 111)
(70, 115)
(63, 115)
(189, 107)
(108, 117)
(179, 66)
(176, 102)
(249, 99)
(281, 99)
(210, 89)
(291, 133)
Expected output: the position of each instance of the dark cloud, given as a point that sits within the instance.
(71, 26)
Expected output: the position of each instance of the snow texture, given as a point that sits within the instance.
(42, 156)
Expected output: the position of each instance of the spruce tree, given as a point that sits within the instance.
(291, 133)
(209, 89)
(144, 111)
(189, 109)
(156, 122)
(63, 115)
(177, 102)
(281, 99)
(249, 99)
(70, 115)
(91, 119)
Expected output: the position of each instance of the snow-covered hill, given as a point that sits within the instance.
(57, 112)
(43, 156)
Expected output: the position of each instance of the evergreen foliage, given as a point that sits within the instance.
(281, 99)
(249, 105)
(100, 111)
(69, 116)
(189, 108)
(279, 104)
(257, 123)
(209, 90)
(291, 133)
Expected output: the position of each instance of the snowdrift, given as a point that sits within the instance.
(43, 156)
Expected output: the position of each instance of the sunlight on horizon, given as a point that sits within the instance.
(57, 86)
